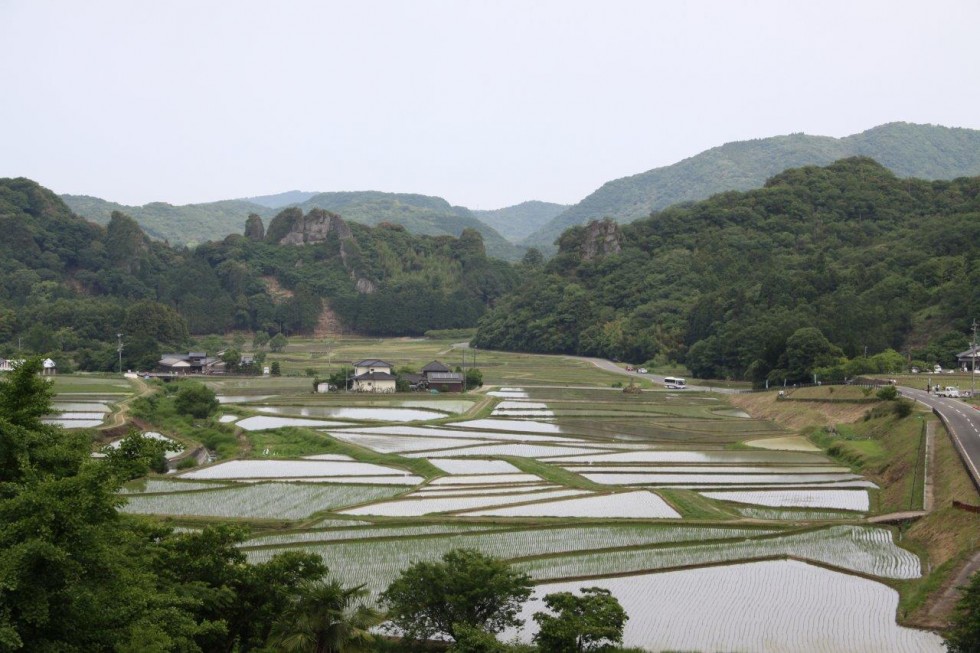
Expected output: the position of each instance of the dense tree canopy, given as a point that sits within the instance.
(871, 261)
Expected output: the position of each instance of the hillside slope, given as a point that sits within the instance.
(188, 224)
(723, 284)
(521, 220)
(419, 214)
(909, 150)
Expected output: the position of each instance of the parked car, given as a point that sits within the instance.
(642, 370)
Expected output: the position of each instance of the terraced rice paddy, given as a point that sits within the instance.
(629, 505)
(541, 483)
(413, 506)
(377, 562)
(859, 549)
(262, 423)
(837, 499)
(249, 469)
(356, 413)
(259, 501)
(764, 606)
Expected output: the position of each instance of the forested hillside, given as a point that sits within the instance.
(192, 224)
(909, 150)
(189, 224)
(521, 220)
(419, 214)
(68, 286)
(723, 285)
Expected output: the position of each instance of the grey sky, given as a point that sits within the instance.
(484, 103)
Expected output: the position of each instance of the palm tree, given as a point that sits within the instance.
(326, 617)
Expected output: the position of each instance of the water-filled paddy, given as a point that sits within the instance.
(262, 423)
(416, 506)
(763, 606)
(629, 505)
(73, 423)
(717, 479)
(84, 406)
(359, 413)
(240, 469)
(836, 499)
(462, 466)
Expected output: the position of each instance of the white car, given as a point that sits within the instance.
(642, 370)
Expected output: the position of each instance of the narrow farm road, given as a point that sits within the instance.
(963, 423)
(120, 415)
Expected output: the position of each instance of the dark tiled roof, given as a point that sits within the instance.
(375, 376)
(372, 362)
(435, 366)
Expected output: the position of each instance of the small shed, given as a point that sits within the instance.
(49, 367)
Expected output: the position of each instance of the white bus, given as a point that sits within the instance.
(674, 383)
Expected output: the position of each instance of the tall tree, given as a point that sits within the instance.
(466, 587)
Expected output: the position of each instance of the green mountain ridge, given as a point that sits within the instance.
(192, 224)
(909, 150)
(850, 250)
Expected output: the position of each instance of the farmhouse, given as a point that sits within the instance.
(194, 362)
(373, 375)
(438, 376)
(966, 358)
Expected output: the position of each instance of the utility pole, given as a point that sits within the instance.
(119, 348)
(973, 358)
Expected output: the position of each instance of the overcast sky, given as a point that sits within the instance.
(486, 104)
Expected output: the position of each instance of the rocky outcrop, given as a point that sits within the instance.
(602, 238)
(314, 227)
(254, 229)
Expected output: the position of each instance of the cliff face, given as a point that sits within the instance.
(291, 227)
(602, 238)
(314, 227)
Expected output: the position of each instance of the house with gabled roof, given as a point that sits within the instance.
(373, 375)
(194, 362)
(438, 376)
(966, 358)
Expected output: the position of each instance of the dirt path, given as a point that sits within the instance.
(121, 414)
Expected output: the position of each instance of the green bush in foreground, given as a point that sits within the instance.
(592, 621)
(466, 588)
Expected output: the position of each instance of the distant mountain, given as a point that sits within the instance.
(190, 224)
(419, 214)
(909, 150)
(518, 222)
(193, 224)
(280, 200)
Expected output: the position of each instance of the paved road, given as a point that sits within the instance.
(610, 366)
(963, 422)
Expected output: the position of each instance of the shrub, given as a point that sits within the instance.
(195, 399)
(887, 393)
